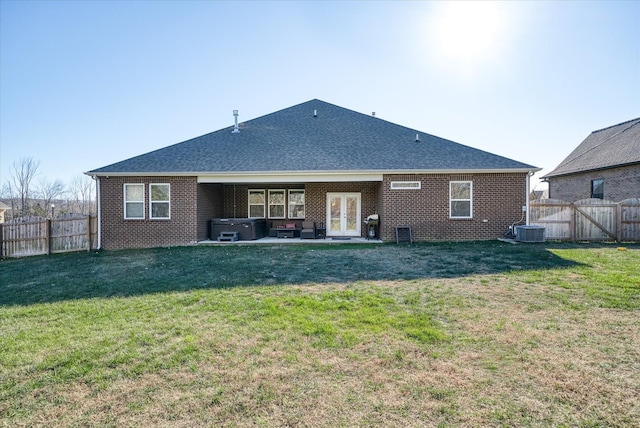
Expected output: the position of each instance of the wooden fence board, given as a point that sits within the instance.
(555, 216)
(588, 219)
(44, 236)
(629, 230)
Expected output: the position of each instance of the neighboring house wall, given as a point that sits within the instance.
(619, 184)
(497, 198)
(118, 233)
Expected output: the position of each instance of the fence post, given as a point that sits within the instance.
(619, 221)
(48, 236)
(574, 231)
(1, 241)
(89, 233)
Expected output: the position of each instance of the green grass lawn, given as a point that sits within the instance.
(462, 334)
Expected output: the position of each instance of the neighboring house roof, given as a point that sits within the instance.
(4, 206)
(294, 140)
(611, 147)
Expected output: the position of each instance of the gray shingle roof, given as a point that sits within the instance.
(610, 147)
(293, 140)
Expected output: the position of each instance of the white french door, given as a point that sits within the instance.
(343, 214)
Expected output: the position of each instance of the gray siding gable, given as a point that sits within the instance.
(293, 140)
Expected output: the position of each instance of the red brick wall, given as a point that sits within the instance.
(210, 205)
(316, 198)
(238, 206)
(497, 198)
(119, 233)
(619, 184)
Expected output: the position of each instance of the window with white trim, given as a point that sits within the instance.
(159, 201)
(256, 203)
(276, 204)
(296, 203)
(460, 199)
(134, 201)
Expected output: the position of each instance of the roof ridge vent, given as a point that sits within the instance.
(236, 130)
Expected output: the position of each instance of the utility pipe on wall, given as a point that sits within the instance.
(528, 186)
(98, 212)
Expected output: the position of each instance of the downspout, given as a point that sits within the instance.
(528, 186)
(98, 212)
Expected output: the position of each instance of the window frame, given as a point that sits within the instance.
(249, 204)
(127, 202)
(291, 205)
(597, 195)
(283, 204)
(452, 200)
(152, 202)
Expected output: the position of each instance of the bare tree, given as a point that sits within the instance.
(19, 185)
(9, 197)
(48, 191)
(81, 192)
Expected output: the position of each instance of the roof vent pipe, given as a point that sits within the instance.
(373, 113)
(315, 113)
(236, 130)
(417, 138)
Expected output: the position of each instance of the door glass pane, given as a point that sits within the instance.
(336, 210)
(352, 214)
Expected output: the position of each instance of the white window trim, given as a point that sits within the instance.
(151, 202)
(470, 200)
(406, 185)
(290, 206)
(283, 204)
(125, 201)
(249, 204)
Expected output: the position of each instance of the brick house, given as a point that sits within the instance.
(606, 165)
(316, 162)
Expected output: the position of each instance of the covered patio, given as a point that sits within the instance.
(295, 241)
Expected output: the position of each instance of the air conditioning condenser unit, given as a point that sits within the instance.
(529, 233)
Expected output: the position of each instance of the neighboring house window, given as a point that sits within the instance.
(460, 196)
(256, 203)
(296, 204)
(597, 188)
(276, 203)
(159, 201)
(134, 201)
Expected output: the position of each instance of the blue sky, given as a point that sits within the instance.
(88, 83)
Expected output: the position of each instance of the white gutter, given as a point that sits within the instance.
(282, 176)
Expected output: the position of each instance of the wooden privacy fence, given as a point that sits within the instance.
(588, 219)
(37, 236)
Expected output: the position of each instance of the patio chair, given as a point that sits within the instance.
(308, 230)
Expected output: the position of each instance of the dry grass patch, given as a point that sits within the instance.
(412, 345)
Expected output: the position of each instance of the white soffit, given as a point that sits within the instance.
(287, 177)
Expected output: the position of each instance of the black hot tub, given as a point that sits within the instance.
(247, 228)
